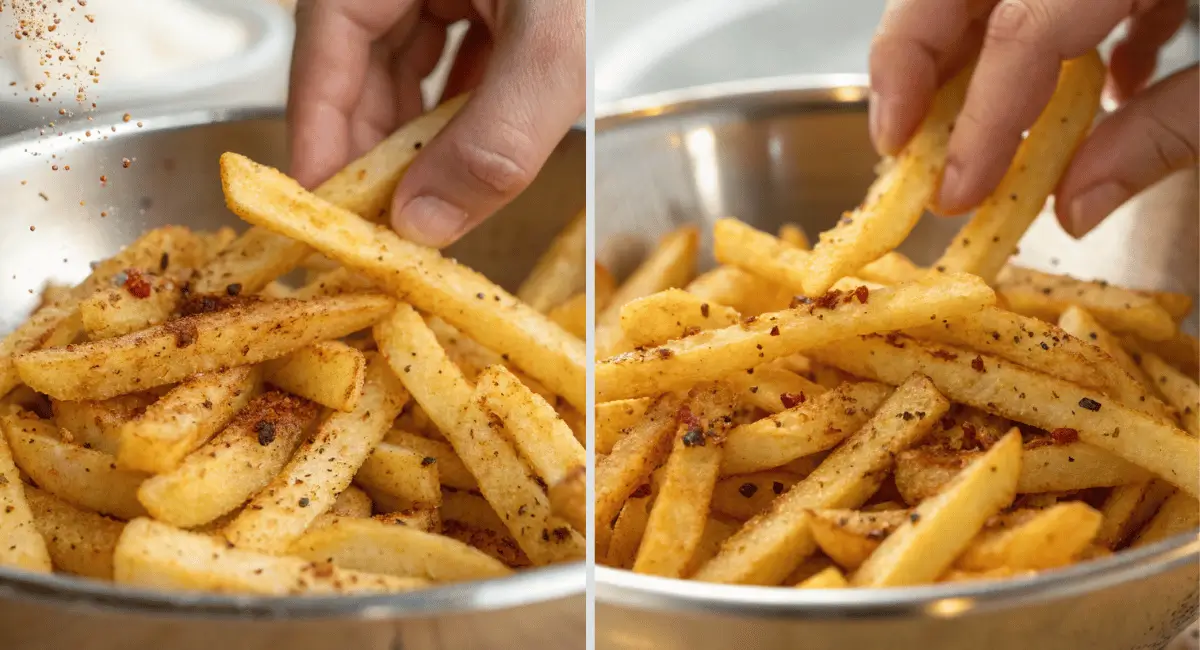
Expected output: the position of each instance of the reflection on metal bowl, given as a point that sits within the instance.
(55, 222)
(796, 149)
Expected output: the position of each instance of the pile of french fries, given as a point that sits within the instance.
(838, 416)
(183, 420)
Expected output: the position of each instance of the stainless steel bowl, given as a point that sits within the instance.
(796, 149)
(51, 227)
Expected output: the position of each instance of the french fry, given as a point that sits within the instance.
(116, 311)
(614, 418)
(605, 287)
(329, 373)
(496, 543)
(772, 388)
(1036, 540)
(620, 550)
(634, 457)
(97, 424)
(671, 314)
(335, 282)
(1081, 324)
(794, 235)
(203, 343)
(807, 428)
(450, 468)
(808, 568)
(895, 201)
(422, 519)
(921, 473)
(373, 546)
(561, 271)
(568, 498)
(433, 283)
(400, 479)
(153, 554)
(939, 529)
(571, 315)
(1128, 508)
(1028, 397)
(1182, 351)
(185, 418)
(352, 502)
(830, 578)
(849, 537)
(671, 264)
(713, 354)
(772, 545)
(1178, 305)
(985, 243)
(79, 542)
(21, 545)
(1180, 390)
(680, 509)
(1179, 514)
(717, 529)
(236, 464)
(742, 497)
(322, 467)
(891, 268)
(738, 244)
(471, 509)
(745, 292)
(84, 477)
(1045, 296)
(414, 354)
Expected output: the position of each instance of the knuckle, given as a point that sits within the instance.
(1018, 21)
(503, 164)
(1173, 148)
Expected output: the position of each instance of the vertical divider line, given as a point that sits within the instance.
(590, 347)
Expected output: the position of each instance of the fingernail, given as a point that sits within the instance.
(879, 121)
(430, 221)
(1091, 207)
(949, 192)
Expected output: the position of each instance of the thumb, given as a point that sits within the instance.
(531, 94)
(1146, 140)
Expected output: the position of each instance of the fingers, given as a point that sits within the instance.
(330, 64)
(1133, 59)
(1143, 142)
(1018, 66)
(532, 92)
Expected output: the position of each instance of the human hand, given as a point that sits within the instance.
(1020, 45)
(356, 73)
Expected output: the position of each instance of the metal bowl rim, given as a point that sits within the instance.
(525, 587)
(625, 588)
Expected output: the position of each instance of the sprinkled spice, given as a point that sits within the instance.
(136, 284)
(1089, 404)
(791, 400)
(265, 431)
(747, 490)
(1063, 435)
(977, 364)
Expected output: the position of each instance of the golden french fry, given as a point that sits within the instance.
(329, 373)
(717, 529)
(985, 243)
(670, 265)
(117, 311)
(614, 418)
(236, 464)
(322, 468)
(1045, 296)
(773, 388)
(713, 354)
(1028, 397)
(892, 268)
(568, 498)
(79, 541)
(795, 236)
(571, 315)
(634, 457)
(202, 343)
(939, 529)
(830, 578)
(773, 544)
(759, 253)
(620, 550)
(671, 314)
(437, 285)
(422, 519)
(1179, 514)
(97, 424)
(450, 468)
(562, 269)
(1182, 351)
(895, 201)
(1037, 540)
(749, 294)
(1128, 508)
(414, 354)
(742, 497)
(185, 418)
(1178, 305)
(400, 479)
(21, 545)
(605, 287)
(352, 502)
(153, 554)
(83, 477)
(334, 282)
(849, 537)
(1081, 324)
(680, 509)
(1180, 390)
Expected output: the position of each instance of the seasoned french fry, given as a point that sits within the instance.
(1179, 514)
(892, 268)
(1037, 540)
(450, 468)
(497, 543)
(620, 550)
(422, 519)
(738, 244)
(322, 467)
(939, 529)
(713, 354)
(1081, 324)
(747, 293)
(1045, 296)
(236, 464)
(466, 299)
(1178, 305)
(1179, 389)
(83, 477)
(922, 472)
(772, 388)
(1182, 351)
(671, 314)
(742, 497)
(830, 578)
(97, 424)
(571, 315)
(352, 502)
(895, 201)
(849, 537)
(671, 264)
(794, 235)
(562, 269)
(568, 498)
(614, 418)
(202, 343)
(153, 554)
(810, 567)
(985, 243)
(1128, 508)
(79, 542)
(807, 428)
(773, 544)
(376, 547)
(400, 479)
(21, 546)
(717, 529)
(414, 354)
(1028, 397)
(680, 509)
(605, 287)
(117, 311)
(334, 282)
(329, 373)
(634, 457)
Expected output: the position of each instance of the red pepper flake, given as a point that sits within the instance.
(775, 331)
(136, 284)
(944, 355)
(1063, 435)
(862, 293)
(685, 417)
(977, 364)
(829, 300)
(792, 399)
(704, 310)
